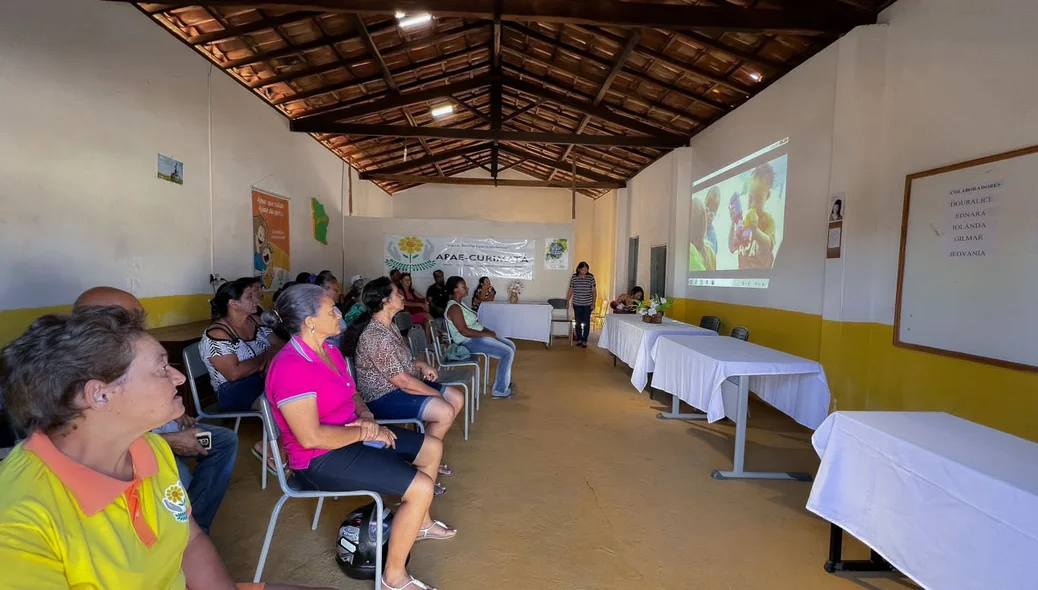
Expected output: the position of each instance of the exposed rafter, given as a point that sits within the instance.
(606, 12)
(490, 181)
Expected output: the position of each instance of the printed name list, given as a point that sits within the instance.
(971, 225)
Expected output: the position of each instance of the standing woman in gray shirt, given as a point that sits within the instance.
(582, 294)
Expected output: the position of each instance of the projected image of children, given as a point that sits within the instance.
(756, 244)
(754, 197)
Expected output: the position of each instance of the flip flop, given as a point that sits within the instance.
(270, 469)
(446, 470)
(424, 534)
(439, 490)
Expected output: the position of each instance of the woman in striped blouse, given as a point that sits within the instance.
(582, 294)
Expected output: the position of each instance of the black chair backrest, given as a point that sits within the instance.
(557, 303)
(403, 321)
(741, 334)
(710, 322)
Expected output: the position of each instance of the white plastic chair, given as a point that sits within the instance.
(290, 489)
(458, 377)
(192, 358)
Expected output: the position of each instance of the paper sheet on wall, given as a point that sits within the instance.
(556, 254)
(271, 244)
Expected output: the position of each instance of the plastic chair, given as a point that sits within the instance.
(403, 322)
(458, 377)
(195, 370)
(290, 488)
(710, 322)
(442, 361)
(561, 305)
(741, 334)
(418, 424)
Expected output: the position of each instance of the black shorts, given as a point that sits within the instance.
(360, 467)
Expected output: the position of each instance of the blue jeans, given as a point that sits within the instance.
(501, 349)
(582, 315)
(240, 395)
(208, 484)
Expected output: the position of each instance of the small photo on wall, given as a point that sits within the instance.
(171, 170)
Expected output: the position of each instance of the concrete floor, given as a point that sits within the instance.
(577, 485)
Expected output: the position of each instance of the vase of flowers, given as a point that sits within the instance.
(515, 288)
(653, 309)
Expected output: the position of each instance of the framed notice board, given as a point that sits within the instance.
(967, 280)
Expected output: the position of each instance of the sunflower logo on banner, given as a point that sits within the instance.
(409, 254)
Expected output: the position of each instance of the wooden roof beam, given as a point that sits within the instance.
(556, 164)
(408, 178)
(664, 142)
(602, 12)
(425, 161)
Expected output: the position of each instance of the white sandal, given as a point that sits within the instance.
(424, 533)
(412, 582)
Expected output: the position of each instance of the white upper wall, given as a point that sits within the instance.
(92, 93)
(486, 203)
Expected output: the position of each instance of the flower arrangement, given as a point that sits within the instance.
(653, 308)
(515, 288)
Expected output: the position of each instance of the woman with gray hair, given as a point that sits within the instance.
(93, 499)
(330, 436)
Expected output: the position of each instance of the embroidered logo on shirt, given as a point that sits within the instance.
(175, 500)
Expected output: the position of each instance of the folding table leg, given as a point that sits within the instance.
(836, 563)
(740, 445)
(674, 414)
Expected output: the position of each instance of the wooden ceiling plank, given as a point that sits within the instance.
(425, 161)
(556, 164)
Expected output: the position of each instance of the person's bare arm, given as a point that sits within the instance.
(201, 563)
(412, 385)
(230, 366)
(458, 319)
(302, 419)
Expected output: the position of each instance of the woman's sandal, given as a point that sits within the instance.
(411, 583)
(271, 465)
(425, 533)
(446, 470)
(439, 490)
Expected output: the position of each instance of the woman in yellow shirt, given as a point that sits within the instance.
(92, 499)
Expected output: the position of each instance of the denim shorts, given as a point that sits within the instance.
(360, 467)
(400, 405)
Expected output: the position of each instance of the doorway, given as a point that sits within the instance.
(632, 263)
(657, 271)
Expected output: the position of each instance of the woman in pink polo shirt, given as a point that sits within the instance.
(331, 438)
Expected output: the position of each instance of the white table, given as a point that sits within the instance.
(952, 504)
(630, 339)
(694, 370)
(521, 321)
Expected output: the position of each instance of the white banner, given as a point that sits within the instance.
(466, 257)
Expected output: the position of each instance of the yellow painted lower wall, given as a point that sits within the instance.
(867, 372)
(162, 311)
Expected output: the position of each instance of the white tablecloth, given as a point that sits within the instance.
(630, 340)
(951, 504)
(694, 369)
(521, 321)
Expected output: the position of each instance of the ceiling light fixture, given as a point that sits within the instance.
(400, 14)
(442, 110)
(755, 76)
(411, 21)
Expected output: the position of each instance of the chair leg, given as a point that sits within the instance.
(317, 513)
(486, 372)
(237, 423)
(266, 541)
(465, 409)
(266, 452)
(378, 542)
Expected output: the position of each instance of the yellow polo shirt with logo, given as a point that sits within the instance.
(64, 525)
